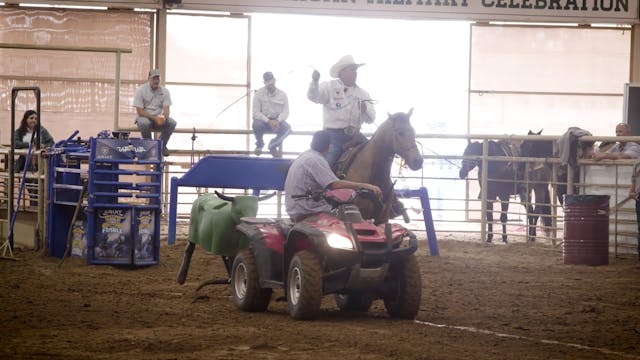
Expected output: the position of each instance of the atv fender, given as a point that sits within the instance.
(266, 240)
(302, 237)
(307, 237)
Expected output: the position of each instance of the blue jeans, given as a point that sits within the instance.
(146, 126)
(260, 128)
(337, 140)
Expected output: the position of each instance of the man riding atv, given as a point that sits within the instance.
(328, 248)
(310, 173)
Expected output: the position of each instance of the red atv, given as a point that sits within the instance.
(330, 253)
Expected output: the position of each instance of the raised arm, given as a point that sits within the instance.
(316, 93)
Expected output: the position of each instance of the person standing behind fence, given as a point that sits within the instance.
(22, 137)
(622, 149)
(345, 105)
(270, 113)
(152, 103)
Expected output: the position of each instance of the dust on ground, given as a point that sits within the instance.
(479, 301)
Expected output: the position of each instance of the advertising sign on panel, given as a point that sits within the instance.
(144, 240)
(113, 235)
(119, 149)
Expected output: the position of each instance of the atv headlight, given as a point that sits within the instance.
(339, 242)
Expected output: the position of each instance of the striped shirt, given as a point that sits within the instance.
(310, 172)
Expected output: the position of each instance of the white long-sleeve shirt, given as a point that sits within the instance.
(341, 104)
(270, 106)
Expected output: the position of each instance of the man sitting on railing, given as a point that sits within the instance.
(622, 149)
(152, 103)
(270, 113)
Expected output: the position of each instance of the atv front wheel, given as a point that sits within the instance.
(404, 289)
(245, 286)
(304, 286)
(356, 302)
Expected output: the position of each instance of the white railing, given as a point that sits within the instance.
(454, 203)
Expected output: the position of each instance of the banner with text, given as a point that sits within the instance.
(565, 11)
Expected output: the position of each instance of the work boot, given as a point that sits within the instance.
(258, 150)
(275, 151)
(165, 151)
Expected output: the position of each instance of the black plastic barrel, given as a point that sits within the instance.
(586, 230)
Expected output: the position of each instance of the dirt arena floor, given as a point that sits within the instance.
(479, 301)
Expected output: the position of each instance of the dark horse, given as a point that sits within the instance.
(501, 181)
(535, 178)
(371, 163)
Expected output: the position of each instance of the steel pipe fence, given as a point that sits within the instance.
(456, 210)
(455, 205)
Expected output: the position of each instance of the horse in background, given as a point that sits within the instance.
(535, 178)
(501, 180)
(371, 161)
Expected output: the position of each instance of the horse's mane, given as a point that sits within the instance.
(371, 162)
(390, 122)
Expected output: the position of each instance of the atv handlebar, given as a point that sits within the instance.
(339, 196)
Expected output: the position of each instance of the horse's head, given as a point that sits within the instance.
(473, 149)
(404, 139)
(536, 148)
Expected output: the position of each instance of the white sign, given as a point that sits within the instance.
(565, 11)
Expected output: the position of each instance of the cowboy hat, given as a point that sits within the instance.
(344, 61)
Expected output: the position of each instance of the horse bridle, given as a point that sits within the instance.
(403, 150)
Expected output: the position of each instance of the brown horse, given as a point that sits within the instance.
(501, 180)
(536, 177)
(506, 178)
(371, 163)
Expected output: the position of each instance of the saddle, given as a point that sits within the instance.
(346, 159)
(509, 148)
(341, 167)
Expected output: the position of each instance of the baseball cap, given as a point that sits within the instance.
(268, 76)
(154, 72)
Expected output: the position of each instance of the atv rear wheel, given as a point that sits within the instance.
(304, 286)
(404, 289)
(354, 302)
(245, 285)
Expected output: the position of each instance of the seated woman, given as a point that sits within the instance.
(22, 137)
